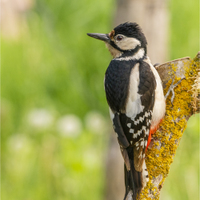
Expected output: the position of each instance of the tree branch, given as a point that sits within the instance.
(186, 102)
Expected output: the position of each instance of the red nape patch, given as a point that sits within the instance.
(152, 131)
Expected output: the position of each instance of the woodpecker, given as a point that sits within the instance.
(135, 97)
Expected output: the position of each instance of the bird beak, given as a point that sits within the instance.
(100, 36)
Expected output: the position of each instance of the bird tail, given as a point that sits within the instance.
(134, 180)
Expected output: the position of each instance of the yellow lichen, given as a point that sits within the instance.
(161, 154)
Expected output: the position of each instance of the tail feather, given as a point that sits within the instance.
(129, 185)
(134, 180)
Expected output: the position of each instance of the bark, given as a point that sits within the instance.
(186, 102)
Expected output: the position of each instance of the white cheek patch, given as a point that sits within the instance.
(128, 43)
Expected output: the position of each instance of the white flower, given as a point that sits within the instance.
(69, 125)
(40, 118)
(95, 122)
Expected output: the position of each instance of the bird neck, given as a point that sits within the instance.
(138, 53)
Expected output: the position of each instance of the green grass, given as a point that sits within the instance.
(54, 66)
(55, 69)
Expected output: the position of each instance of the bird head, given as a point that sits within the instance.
(127, 39)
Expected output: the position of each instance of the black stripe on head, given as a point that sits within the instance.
(115, 46)
(131, 30)
(128, 52)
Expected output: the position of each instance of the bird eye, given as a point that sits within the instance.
(119, 37)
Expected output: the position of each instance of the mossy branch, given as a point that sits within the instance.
(186, 102)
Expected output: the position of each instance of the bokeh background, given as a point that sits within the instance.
(55, 125)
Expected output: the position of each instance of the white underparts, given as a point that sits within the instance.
(159, 104)
(138, 55)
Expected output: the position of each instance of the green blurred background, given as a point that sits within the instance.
(55, 122)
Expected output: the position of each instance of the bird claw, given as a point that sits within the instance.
(171, 89)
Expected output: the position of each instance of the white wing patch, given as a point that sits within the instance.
(134, 104)
(134, 107)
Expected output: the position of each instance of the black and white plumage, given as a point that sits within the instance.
(135, 97)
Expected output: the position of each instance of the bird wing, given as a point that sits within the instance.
(130, 90)
(136, 120)
(132, 121)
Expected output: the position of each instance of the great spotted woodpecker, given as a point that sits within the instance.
(135, 97)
